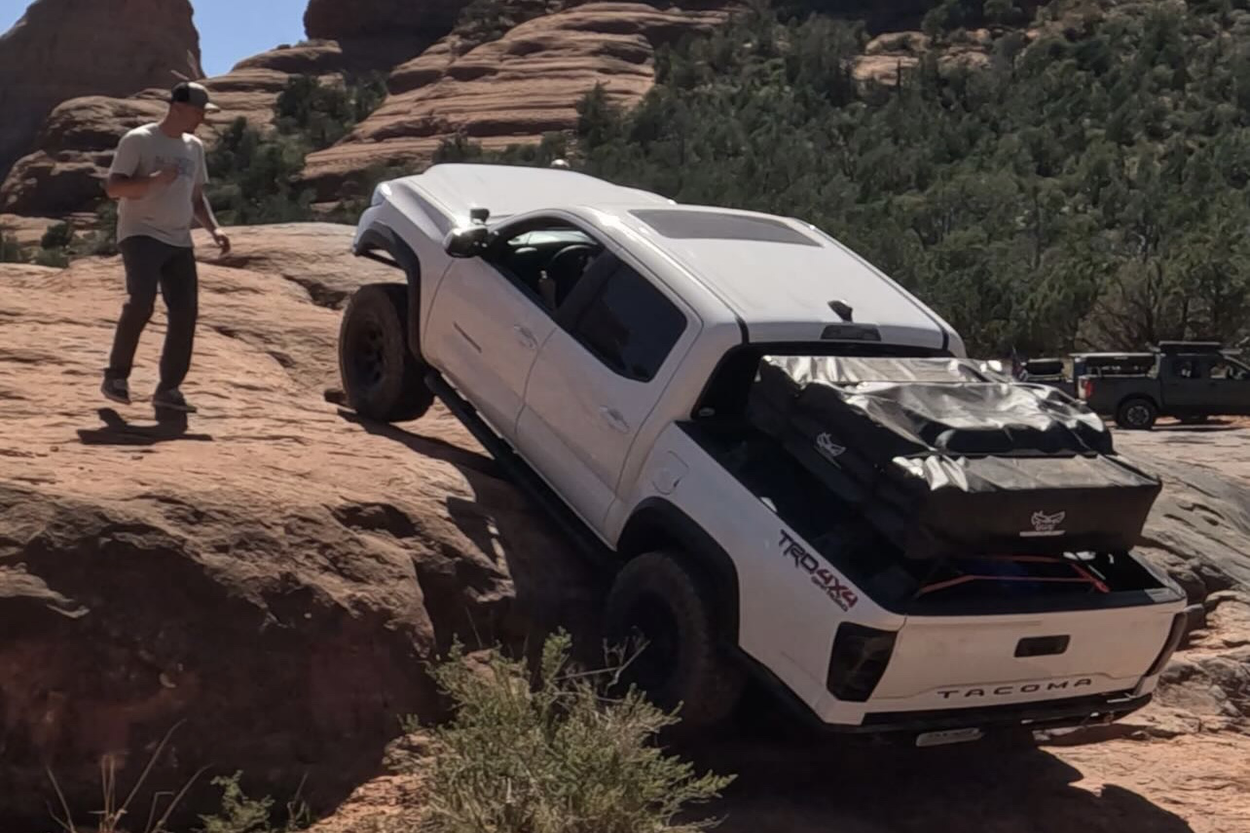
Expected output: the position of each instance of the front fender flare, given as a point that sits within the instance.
(385, 238)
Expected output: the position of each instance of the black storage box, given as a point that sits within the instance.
(944, 459)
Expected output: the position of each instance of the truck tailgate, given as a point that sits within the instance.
(954, 662)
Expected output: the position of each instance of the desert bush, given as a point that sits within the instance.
(555, 754)
(240, 814)
(58, 236)
(57, 258)
(10, 251)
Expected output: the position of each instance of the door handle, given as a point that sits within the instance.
(526, 337)
(614, 419)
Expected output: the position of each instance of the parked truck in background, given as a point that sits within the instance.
(1191, 381)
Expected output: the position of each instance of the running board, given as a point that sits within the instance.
(520, 472)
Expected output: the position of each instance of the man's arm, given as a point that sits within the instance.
(137, 187)
(204, 213)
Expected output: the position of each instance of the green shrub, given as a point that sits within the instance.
(105, 242)
(58, 258)
(255, 176)
(10, 251)
(240, 814)
(554, 755)
(59, 236)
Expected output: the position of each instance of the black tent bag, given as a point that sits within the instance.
(948, 462)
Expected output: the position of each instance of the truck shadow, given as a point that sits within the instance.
(554, 587)
(855, 785)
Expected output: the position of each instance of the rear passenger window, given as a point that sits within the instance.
(630, 326)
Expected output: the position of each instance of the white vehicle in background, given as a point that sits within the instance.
(712, 402)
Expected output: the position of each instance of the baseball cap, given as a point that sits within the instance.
(194, 94)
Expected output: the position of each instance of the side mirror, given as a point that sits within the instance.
(467, 242)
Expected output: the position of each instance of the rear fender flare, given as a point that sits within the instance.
(384, 238)
(655, 524)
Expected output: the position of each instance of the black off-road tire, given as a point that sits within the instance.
(381, 377)
(1136, 414)
(657, 597)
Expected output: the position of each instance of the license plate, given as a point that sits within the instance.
(949, 736)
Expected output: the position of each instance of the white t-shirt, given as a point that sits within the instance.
(166, 211)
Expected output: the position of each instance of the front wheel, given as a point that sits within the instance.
(663, 604)
(382, 379)
(1137, 414)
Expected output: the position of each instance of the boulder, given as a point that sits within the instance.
(269, 578)
(337, 20)
(76, 143)
(63, 49)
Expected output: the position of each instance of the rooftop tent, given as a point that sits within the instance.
(945, 461)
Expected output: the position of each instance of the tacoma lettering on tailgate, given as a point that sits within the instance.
(1006, 690)
(824, 578)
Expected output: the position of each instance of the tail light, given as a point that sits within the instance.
(859, 659)
(1087, 388)
(1179, 621)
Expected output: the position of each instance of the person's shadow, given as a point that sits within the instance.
(169, 426)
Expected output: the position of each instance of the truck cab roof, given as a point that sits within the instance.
(780, 279)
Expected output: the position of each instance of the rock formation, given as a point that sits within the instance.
(512, 90)
(76, 143)
(275, 574)
(337, 20)
(63, 49)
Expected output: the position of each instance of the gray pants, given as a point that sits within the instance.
(152, 265)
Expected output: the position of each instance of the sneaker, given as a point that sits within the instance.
(117, 390)
(173, 400)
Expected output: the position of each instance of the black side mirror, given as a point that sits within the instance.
(470, 241)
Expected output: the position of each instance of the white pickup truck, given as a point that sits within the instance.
(602, 342)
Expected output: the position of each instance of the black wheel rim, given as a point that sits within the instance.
(1138, 415)
(368, 355)
(654, 635)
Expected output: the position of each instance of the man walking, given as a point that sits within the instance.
(158, 175)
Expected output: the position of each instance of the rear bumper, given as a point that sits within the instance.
(1046, 714)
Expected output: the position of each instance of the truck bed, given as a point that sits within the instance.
(1000, 582)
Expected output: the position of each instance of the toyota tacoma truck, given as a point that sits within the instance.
(790, 465)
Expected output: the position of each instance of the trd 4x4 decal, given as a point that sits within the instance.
(824, 578)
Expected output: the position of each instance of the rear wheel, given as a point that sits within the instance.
(1137, 414)
(381, 377)
(660, 603)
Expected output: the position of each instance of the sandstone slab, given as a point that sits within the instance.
(273, 575)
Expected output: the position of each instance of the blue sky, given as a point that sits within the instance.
(230, 30)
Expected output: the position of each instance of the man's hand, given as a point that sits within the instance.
(166, 176)
(138, 187)
(222, 241)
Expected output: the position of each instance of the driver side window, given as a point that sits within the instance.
(1230, 371)
(545, 259)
